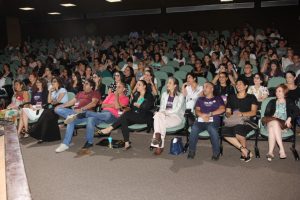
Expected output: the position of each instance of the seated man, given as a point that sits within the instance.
(208, 109)
(84, 100)
(109, 114)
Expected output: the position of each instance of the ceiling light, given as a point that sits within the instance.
(113, 1)
(68, 4)
(26, 8)
(54, 13)
(226, 0)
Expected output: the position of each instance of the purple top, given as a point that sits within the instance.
(170, 103)
(210, 105)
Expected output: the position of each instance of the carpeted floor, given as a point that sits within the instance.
(137, 174)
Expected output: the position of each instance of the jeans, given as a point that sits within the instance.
(65, 112)
(212, 128)
(94, 118)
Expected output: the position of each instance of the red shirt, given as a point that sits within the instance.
(83, 98)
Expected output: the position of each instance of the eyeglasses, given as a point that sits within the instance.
(117, 74)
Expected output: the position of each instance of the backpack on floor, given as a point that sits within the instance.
(176, 146)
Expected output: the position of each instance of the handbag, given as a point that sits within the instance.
(176, 146)
(265, 120)
(234, 120)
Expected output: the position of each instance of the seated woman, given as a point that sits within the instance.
(191, 91)
(240, 105)
(223, 86)
(21, 95)
(198, 70)
(294, 90)
(76, 83)
(157, 62)
(170, 114)
(34, 109)
(138, 113)
(118, 78)
(100, 87)
(258, 90)
(57, 93)
(279, 115)
(273, 70)
(151, 82)
(46, 129)
(129, 77)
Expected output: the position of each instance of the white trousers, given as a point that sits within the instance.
(163, 121)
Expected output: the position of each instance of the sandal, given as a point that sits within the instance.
(249, 154)
(269, 157)
(282, 155)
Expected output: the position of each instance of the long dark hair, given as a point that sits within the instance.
(278, 70)
(79, 80)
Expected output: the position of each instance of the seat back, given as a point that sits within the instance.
(275, 81)
(201, 81)
(187, 68)
(180, 75)
(107, 80)
(161, 75)
(168, 69)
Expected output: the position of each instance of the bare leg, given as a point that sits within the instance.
(25, 121)
(235, 142)
(21, 123)
(241, 139)
(278, 138)
(271, 138)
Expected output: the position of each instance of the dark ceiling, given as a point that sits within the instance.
(42, 7)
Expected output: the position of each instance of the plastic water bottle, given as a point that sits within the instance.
(110, 142)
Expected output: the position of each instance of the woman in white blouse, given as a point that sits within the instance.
(170, 114)
(259, 91)
(191, 90)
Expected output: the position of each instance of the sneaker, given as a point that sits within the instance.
(191, 155)
(62, 147)
(87, 145)
(70, 118)
(215, 157)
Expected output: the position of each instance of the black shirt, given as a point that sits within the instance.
(225, 91)
(294, 95)
(249, 79)
(242, 105)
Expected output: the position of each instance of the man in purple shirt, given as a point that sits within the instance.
(207, 109)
